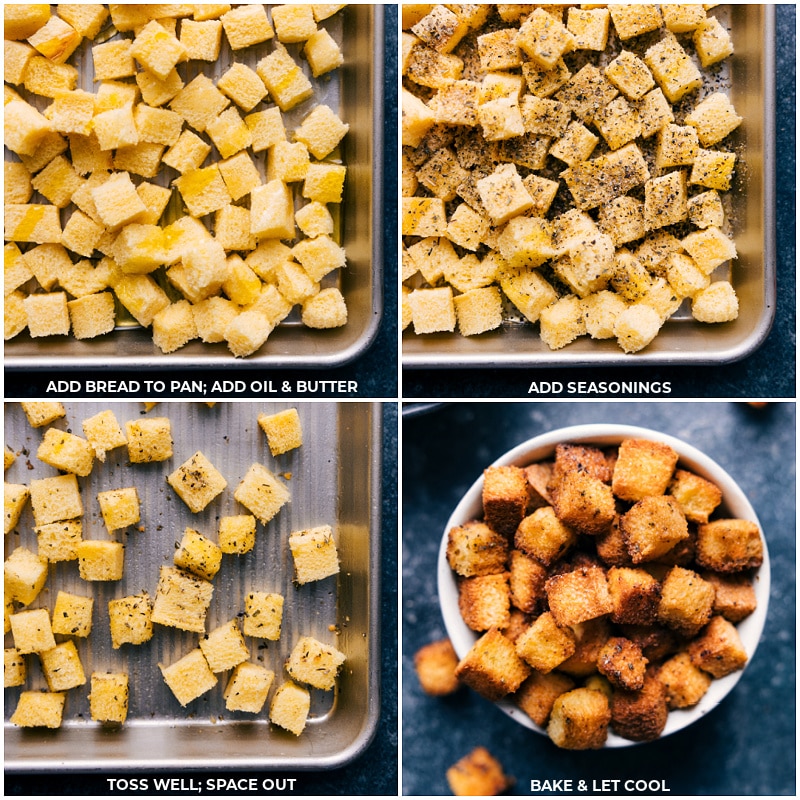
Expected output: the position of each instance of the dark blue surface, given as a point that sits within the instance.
(746, 746)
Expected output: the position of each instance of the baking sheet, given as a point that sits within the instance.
(354, 91)
(750, 78)
(334, 480)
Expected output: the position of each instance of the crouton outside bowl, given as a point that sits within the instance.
(734, 504)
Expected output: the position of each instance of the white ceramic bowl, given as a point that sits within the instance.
(734, 504)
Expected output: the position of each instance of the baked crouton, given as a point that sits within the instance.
(729, 545)
(686, 601)
(697, 496)
(579, 720)
(539, 692)
(640, 716)
(652, 527)
(580, 458)
(718, 650)
(526, 581)
(591, 637)
(492, 667)
(543, 536)
(643, 468)
(684, 683)
(505, 498)
(545, 645)
(622, 662)
(735, 597)
(579, 595)
(478, 774)
(475, 549)
(585, 503)
(538, 476)
(484, 601)
(634, 596)
(436, 664)
(611, 546)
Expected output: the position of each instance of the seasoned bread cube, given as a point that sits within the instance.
(58, 541)
(287, 84)
(32, 631)
(182, 600)
(441, 29)
(589, 27)
(100, 560)
(478, 310)
(108, 701)
(484, 601)
(289, 707)
(714, 117)
(55, 499)
(686, 601)
(263, 614)
(40, 413)
(198, 554)
(643, 468)
(478, 773)
(248, 687)
(432, 310)
(562, 322)
(505, 498)
(314, 553)
(634, 20)
(189, 677)
(665, 200)
(62, 667)
(634, 596)
(435, 665)
(652, 527)
(735, 597)
(197, 482)
(526, 242)
(104, 433)
(630, 75)
(66, 452)
(709, 248)
(543, 536)
(622, 662)
(684, 683)
(544, 39)
(262, 493)
(729, 545)
(72, 615)
(39, 709)
(314, 663)
(545, 644)
(579, 720)
(15, 496)
(529, 292)
(224, 648)
(640, 716)
(14, 669)
(713, 169)
(539, 692)
(237, 534)
(503, 194)
(119, 507)
(579, 595)
(716, 303)
(697, 496)
(149, 440)
(492, 667)
(476, 549)
(712, 42)
(25, 574)
(130, 619)
(718, 650)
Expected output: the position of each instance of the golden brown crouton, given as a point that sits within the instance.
(697, 496)
(591, 637)
(579, 595)
(537, 695)
(538, 476)
(545, 645)
(684, 683)
(640, 716)
(475, 549)
(484, 601)
(478, 774)
(543, 536)
(611, 546)
(634, 596)
(580, 458)
(652, 527)
(492, 667)
(683, 552)
(622, 662)
(718, 650)
(505, 498)
(584, 503)
(526, 581)
(686, 601)
(436, 664)
(579, 720)
(735, 596)
(729, 545)
(643, 469)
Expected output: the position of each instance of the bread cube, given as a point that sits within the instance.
(484, 601)
(197, 482)
(201, 40)
(103, 432)
(15, 320)
(634, 20)
(314, 219)
(188, 153)
(673, 68)
(87, 19)
(15, 496)
(716, 303)
(199, 102)
(735, 597)
(544, 39)
(25, 575)
(272, 211)
(314, 663)
(16, 270)
(247, 332)
(283, 430)
(46, 78)
(686, 601)
(58, 541)
(130, 620)
(435, 665)
(545, 644)
(182, 600)
(325, 10)
(22, 21)
(714, 117)
(39, 710)
(322, 53)
(261, 493)
(529, 292)
(119, 507)
(229, 132)
(14, 670)
(642, 715)
(24, 127)
(72, 615)
(684, 276)
(224, 648)
(539, 692)
(62, 667)
(100, 560)
(665, 200)
(189, 677)
(685, 684)
(32, 223)
(117, 201)
(589, 27)
(108, 701)
(634, 596)
(206, 11)
(705, 209)
(505, 498)
(290, 706)
(47, 314)
(713, 169)
(246, 25)
(66, 452)
(293, 22)
(287, 84)
(427, 67)
(622, 662)
(630, 75)
(248, 687)
(433, 310)
(55, 499)
(156, 92)
(149, 440)
(198, 554)
(579, 719)
(203, 190)
(712, 42)
(579, 595)
(157, 50)
(32, 631)
(643, 468)
(314, 553)
(263, 613)
(562, 322)
(683, 18)
(478, 773)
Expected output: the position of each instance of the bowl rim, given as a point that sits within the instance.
(734, 504)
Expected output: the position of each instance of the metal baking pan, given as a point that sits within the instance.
(355, 91)
(749, 77)
(335, 479)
